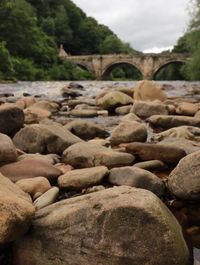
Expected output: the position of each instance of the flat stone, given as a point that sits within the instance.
(8, 152)
(48, 198)
(165, 153)
(82, 178)
(138, 178)
(84, 155)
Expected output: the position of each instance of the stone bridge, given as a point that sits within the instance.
(147, 64)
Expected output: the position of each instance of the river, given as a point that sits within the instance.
(51, 90)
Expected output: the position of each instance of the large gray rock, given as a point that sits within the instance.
(44, 139)
(111, 100)
(86, 129)
(138, 178)
(84, 154)
(184, 180)
(146, 109)
(129, 131)
(166, 153)
(116, 226)
(16, 211)
(169, 121)
(11, 119)
(82, 178)
(8, 152)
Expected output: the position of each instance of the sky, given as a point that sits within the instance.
(148, 25)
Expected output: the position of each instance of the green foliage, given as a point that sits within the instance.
(173, 71)
(124, 72)
(32, 30)
(6, 64)
(190, 43)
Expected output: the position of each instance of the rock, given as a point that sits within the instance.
(16, 211)
(169, 121)
(187, 145)
(82, 178)
(94, 189)
(84, 113)
(83, 155)
(197, 115)
(72, 103)
(44, 139)
(47, 105)
(64, 168)
(35, 115)
(75, 85)
(8, 152)
(11, 119)
(131, 117)
(152, 165)
(70, 92)
(121, 225)
(102, 142)
(185, 132)
(30, 169)
(184, 180)
(123, 110)
(127, 132)
(148, 91)
(86, 129)
(146, 109)
(26, 101)
(111, 100)
(136, 177)
(187, 108)
(165, 153)
(50, 158)
(34, 185)
(47, 198)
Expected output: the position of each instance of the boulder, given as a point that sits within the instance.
(151, 165)
(165, 153)
(47, 105)
(82, 178)
(148, 91)
(30, 169)
(111, 100)
(122, 225)
(44, 139)
(169, 121)
(136, 177)
(181, 132)
(131, 117)
(8, 152)
(123, 110)
(146, 109)
(184, 180)
(35, 115)
(34, 185)
(86, 129)
(83, 155)
(84, 113)
(11, 119)
(50, 158)
(16, 211)
(187, 108)
(129, 131)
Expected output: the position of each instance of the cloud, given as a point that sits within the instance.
(144, 24)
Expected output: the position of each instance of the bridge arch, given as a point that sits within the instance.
(166, 63)
(108, 69)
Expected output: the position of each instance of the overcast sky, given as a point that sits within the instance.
(148, 25)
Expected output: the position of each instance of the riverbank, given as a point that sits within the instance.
(68, 145)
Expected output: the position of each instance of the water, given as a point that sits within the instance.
(52, 89)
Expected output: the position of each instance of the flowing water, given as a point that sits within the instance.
(51, 90)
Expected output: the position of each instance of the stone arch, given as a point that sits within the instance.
(164, 64)
(84, 66)
(111, 66)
